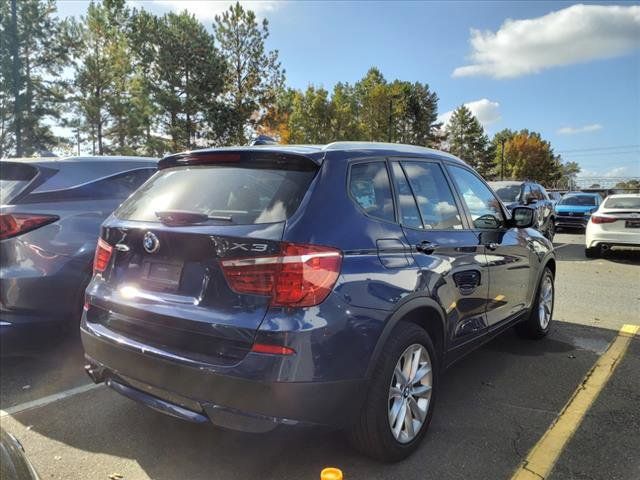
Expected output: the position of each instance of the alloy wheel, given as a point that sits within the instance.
(545, 306)
(410, 393)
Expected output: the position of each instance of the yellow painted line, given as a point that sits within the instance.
(544, 454)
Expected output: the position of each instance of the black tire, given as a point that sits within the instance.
(371, 434)
(532, 327)
(592, 252)
(551, 230)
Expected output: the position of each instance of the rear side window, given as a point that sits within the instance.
(14, 177)
(369, 186)
(245, 194)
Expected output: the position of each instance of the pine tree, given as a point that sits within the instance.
(253, 75)
(187, 77)
(35, 49)
(467, 140)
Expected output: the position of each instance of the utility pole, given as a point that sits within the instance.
(390, 120)
(502, 160)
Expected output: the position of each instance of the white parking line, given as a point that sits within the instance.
(41, 402)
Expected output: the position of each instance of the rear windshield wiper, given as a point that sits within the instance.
(186, 217)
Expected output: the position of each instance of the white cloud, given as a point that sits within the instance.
(594, 127)
(576, 34)
(206, 10)
(486, 111)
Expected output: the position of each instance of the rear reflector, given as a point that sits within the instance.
(13, 224)
(301, 276)
(272, 349)
(603, 219)
(102, 256)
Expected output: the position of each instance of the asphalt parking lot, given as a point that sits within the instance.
(495, 405)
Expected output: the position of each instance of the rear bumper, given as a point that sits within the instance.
(613, 239)
(232, 398)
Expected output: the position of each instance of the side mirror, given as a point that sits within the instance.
(522, 217)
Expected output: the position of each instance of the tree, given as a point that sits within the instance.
(253, 75)
(345, 123)
(310, 119)
(414, 113)
(374, 106)
(35, 49)
(467, 140)
(569, 171)
(187, 75)
(101, 70)
(529, 156)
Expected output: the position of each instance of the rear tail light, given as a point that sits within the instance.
(300, 276)
(272, 349)
(13, 224)
(102, 256)
(602, 219)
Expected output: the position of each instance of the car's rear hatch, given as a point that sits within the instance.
(164, 284)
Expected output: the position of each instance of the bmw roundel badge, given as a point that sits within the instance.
(150, 242)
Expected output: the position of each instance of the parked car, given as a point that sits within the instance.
(49, 219)
(14, 464)
(253, 287)
(616, 223)
(531, 194)
(575, 208)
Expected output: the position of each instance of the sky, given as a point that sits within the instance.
(569, 71)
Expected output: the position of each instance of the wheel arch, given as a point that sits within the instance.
(424, 312)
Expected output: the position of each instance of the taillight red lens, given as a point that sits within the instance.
(102, 256)
(13, 224)
(602, 219)
(300, 276)
(272, 349)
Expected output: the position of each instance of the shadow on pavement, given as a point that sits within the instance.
(493, 406)
(575, 252)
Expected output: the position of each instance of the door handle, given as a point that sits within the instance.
(492, 245)
(427, 247)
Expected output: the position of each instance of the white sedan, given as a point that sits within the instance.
(615, 224)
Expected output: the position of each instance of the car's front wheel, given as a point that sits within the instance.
(551, 230)
(539, 321)
(401, 396)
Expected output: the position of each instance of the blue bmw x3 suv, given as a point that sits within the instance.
(309, 285)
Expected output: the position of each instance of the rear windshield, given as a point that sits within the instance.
(509, 193)
(13, 178)
(243, 194)
(579, 200)
(623, 202)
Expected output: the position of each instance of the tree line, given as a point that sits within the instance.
(129, 82)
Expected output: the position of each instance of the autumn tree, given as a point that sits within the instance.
(529, 156)
(466, 139)
(253, 75)
(35, 50)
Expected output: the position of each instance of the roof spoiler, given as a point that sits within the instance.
(257, 158)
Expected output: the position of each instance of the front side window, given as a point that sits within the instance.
(370, 187)
(433, 195)
(482, 204)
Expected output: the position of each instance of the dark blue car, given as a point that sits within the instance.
(264, 286)
(50, 216)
